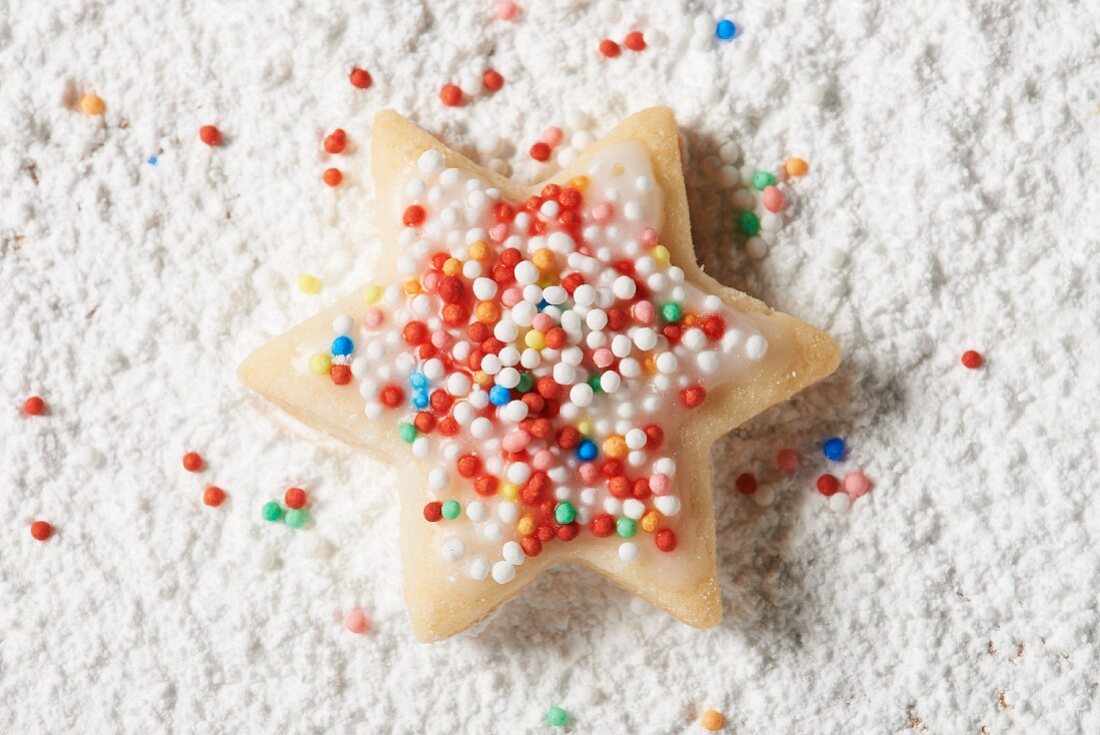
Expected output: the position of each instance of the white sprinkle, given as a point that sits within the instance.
(632, 211)
(694, 339)
(707, 362)
(635, 439)
(458, 384)
(490, 364)
(508, 378)
(581, 394)
(596, 319)
(756, 248)
(513, 553)
(633, 508)
(518, 472)
(506, 330)
(503, 572)
(549, 209)
(514, 411)
(485, 288)
(508, 511)
(430, 161)
(453, 550)
(477, 512)
(564, 374)
(509, 356)
(572, 355)
(630, 368)
(584, 295)
(612, 506)
(610, 382)
(624, 287)
(646, 339)
(491, 531)
(668, 505)
(729, 152)
(481, 428)
(644, 184)
(756, 347)
(557, 295)
(839, 503)
(765, 495)
(421, 448)
(530, 358)
(628, 551)
(479, 568)
(560, 242)
(479, 398)
(526, 272)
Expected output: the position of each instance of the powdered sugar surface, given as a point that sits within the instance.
(951, 162)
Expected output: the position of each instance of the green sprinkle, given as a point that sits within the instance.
(594, 382)
(565, 513)
(626, 527)
(761, 180)
(750, 223)
(451, 509)
(525, 382)
(672, 312)
(271, 511)
(408, 432)
(557, 717)
(296, 518)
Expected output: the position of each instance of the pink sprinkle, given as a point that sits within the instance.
(511, 296)
(551, 136)
(542, 322)
(660, 484)
(856, 484)
(649, 237)
(374, 318)
(588, 472)
(356, 621)
(506, 10)
(774, 201)
(498, 232)
(431, 280)
(644, 312)
(543, 459)
(602, 212)
(515, 441)
(603, 357)
(787, 460)
(442, 339)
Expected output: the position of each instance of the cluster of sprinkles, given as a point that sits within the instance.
(471, 84)
(854, 484)
(634, 41)
(295, 515)
(531, 353)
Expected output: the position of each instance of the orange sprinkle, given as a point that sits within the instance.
(487, 312)
(796, 167)
(712, 720)
(332, 176)
(579, 182)
(615, 447)
(452, 267)
(525, 526)
(412, 287)
(650, 521)
(544, 259)
(478, 250)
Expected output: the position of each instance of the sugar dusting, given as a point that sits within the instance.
(950, 206)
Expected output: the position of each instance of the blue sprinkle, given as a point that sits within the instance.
(152, 160)
(725, 30)
(834, 449)
(342, 346)
(420, 399)
(543, 304)
(418, 380)
(499, 395)
(586, 450)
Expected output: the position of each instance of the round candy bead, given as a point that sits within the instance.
(856, 484)
(296, 518)
(972, 359)
(451, 509)
(506, 10)
(773, 198)
(833, 449)
(342, 346)
(761, 180)
(295, 498)
(745, 483)
(626, 527)
(672, 312)
(725, 29)
(827, 485)
(565, 513)
(586, 450)
(407, 431)
(356, 622)
(210, 135)
(609, 48)
(41, 530)
(192, 462)
(557, 717)
(332, 176)
(451, 95)
(271, 511)
(499, 395)
(712, 721)
(213, 496)
(787, 460)
(796, 167)
(360, 78)
(492, 80)
(749, 223)
(34, 406)
(92, 104)
(635, 41)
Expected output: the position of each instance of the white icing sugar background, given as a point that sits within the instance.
(952, 162)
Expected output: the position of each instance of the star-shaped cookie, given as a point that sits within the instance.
(547, 366)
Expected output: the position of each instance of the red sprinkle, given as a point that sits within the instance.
(41, 530)
(332, 176)
(451, 95)
(492, 80)
(827, 485)
(336, 141)
(609, 48)
(540, 151)
(414, 216)
(295, 498)
(693, 396)
(34, 406)
(192, 462)
(665, 540)
(634, 41)
(745, 483)
(340, 373)
(360, 78)
(213, 496)
(392, 396)
(531, 545)
(210, 135)
(972, 359)
(433, 512)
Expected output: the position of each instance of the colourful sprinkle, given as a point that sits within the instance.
(725, 30)
(41, 530)
(451, 95)
(295, 498)
(557, 717)
(972, 359)
(451, 509)
(827, 485)
(356, 621)
(210, 135)
(93, 105)
(712, 720)
(192, 462)
(834, 449)
(360, 78)
(309, 284)
(856, 484)
(296, 518)
(34, 406)
(796, 167)
(787, 460)
(271, 511)
(213, 496)
(745, 483)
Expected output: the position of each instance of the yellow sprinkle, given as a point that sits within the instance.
(548, 280)
(483, 379)
(690, 319)
(579, 182)
(412, 287)
(372, 294)
(650, 365)
(309, 284)
(509, 491)
(478, 250)
(650, 521)
(452, 267)
(92, 104)
(585, 427)
(320, 363)
(525, 526)
(615, 447)
(544, 259)
(660, 254)
(535, 340)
